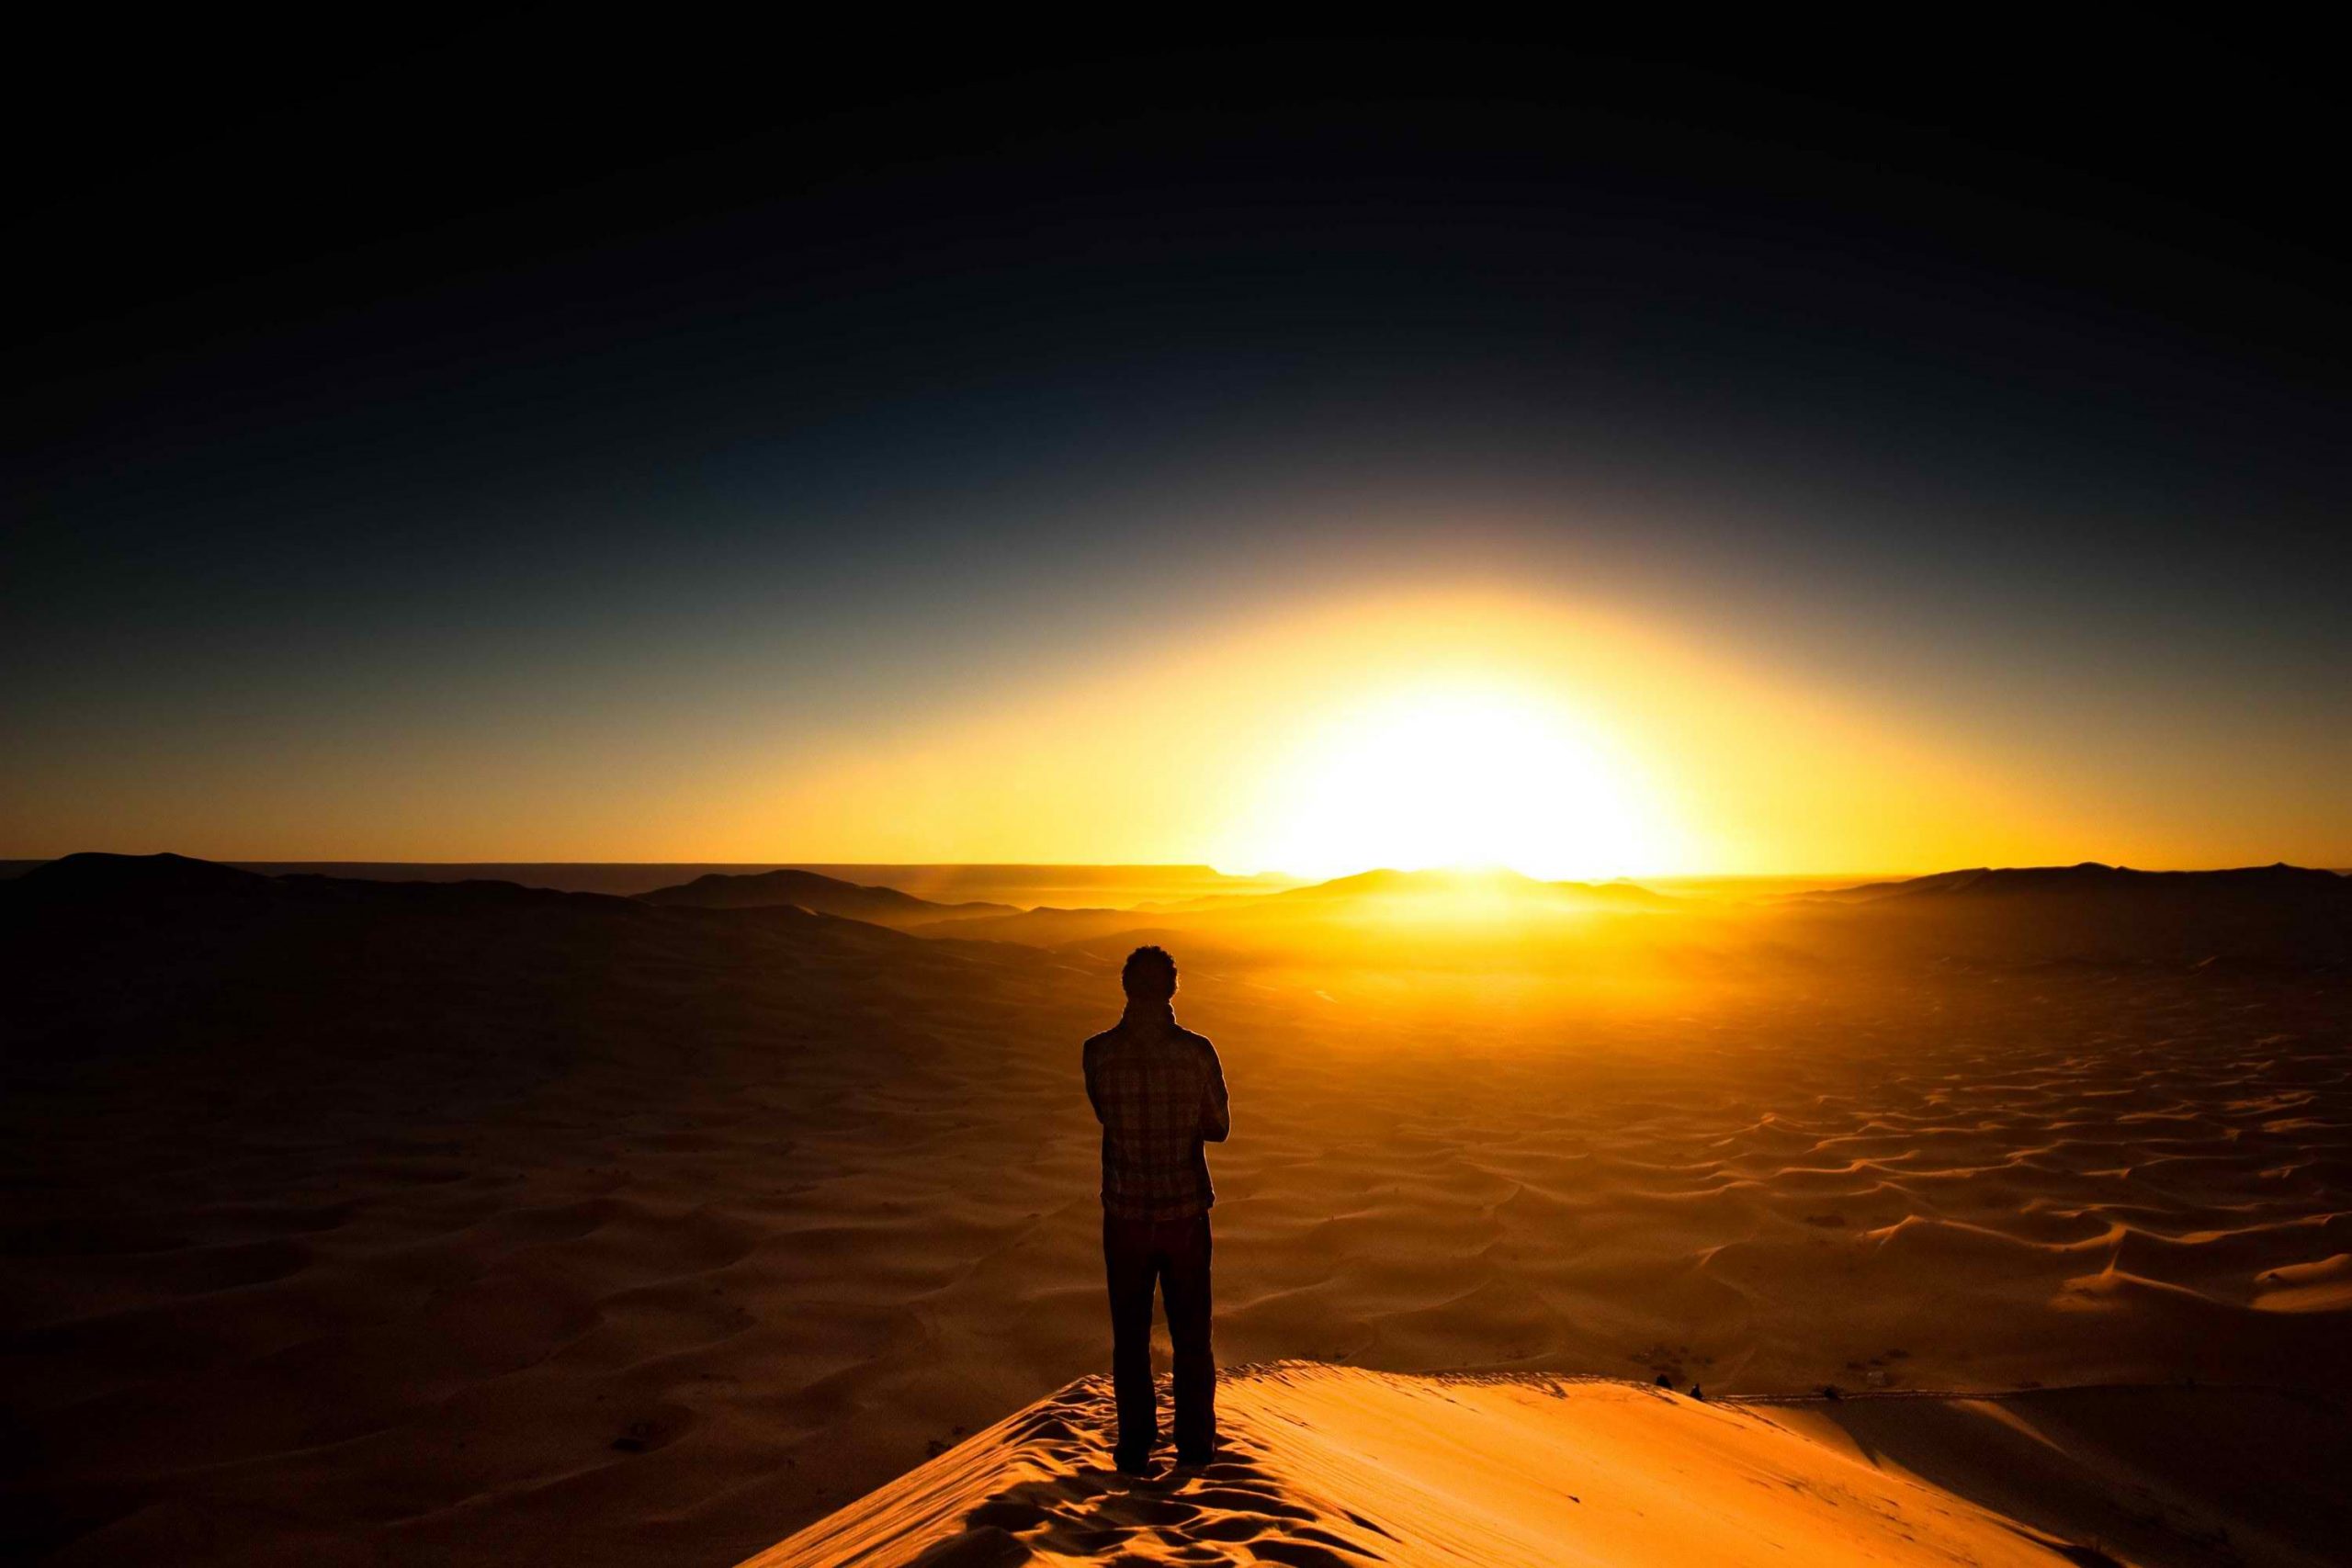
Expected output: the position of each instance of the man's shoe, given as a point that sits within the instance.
(1195, 1458)
(1128, 1464)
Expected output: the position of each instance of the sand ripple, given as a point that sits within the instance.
(734, 1240)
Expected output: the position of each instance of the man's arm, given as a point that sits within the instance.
(1094, 1096)
(1217, 1115)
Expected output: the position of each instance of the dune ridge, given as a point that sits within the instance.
(1020, 886)
(2274, 918)
(1324, 1467)
(820, 894)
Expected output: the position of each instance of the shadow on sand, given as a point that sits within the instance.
(1084, 1507)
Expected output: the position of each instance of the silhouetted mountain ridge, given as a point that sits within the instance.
(1497, 882)
(2096, 879)
(171, 912)
(144, 953)
(820, 894)
(92, 875)
(1497, 895)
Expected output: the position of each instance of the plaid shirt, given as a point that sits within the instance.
(1159, 1091)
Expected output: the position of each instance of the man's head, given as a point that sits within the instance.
(1150, 976)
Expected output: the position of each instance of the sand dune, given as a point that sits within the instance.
(358, 1223)
(820, 894)
(1326, 1467)
(2267, 918)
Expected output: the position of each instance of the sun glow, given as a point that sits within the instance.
(1420, 729)
(1463, 775)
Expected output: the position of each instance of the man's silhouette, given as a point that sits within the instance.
(1159, 1091)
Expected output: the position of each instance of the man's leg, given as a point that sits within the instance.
(1127, 1264)
(1185, 1282)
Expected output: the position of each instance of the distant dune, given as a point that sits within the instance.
(1385, 896)
(1328, 1466)
(1021, 886)
(1509, 888)
(2266, 916)
(2273, 915)
(2092, 879)
(349, 1221)
(1062, 886)
(820, 894)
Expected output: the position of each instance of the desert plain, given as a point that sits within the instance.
(2003, 1217)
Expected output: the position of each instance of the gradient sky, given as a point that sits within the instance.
(511, 445)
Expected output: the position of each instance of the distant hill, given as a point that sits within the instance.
(2266, 916)
(1403, 897)
(168, 952)
(91, 878)
(1499, 884)
(2093, 879)
(1063, 887)
(1016, 887)
(2262, 916)
(820, 894)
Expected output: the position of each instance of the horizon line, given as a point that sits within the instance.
(1881, 874)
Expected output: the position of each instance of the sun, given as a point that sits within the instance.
(1462, 775)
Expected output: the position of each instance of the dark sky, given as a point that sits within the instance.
(376, 388)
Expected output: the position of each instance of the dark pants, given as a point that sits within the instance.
(1175, 1255)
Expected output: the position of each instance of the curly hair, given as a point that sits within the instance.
(1150, 975)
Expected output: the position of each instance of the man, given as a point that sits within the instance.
(1159, 1091)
